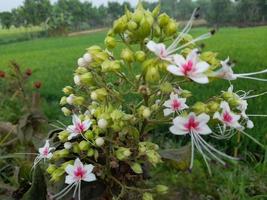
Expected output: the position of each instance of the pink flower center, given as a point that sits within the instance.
(79, 173)
(45, 151)
(162, 53)
(192, 124)
(79, 128)
(187, 67)
(175, 104)
(227, 117)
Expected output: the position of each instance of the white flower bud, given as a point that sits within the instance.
(94, 96)
(146, 113)
(67, 145)
(99, 141)
(250, 124)
(87, 57)
(81, 62)
(70, 99)
(102, 123)
(77, 80)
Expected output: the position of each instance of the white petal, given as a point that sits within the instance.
(72, 135)
(77, 163)
(202, 67)
(202, 79)
(192, 56)
(225, 106)
(69, 169)
(175, 70)
(179, 60)
(203, 118)
(49, 156)
(89, 168)
(69, 179)
(87, 123)
(75, 120)
(217, 116)
(204, 130)
(177, 131)
(151, 45)
(70, 128)
(167, 111)
(167, 103)
(89, 177)
(250, 124)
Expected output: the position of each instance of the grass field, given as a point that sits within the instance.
(54, 59)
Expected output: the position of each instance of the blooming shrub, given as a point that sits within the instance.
(122, 95)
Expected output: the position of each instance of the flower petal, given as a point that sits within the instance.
(202, 79)
(167, 103)
(177, 131)
(89, 177)
(179, 60)
(75, 120)
(175, 70)
(69, 169)
(69, 179)
(204, 130)
(167, 111)
(86, 123)
(89, 168)
(202, 67)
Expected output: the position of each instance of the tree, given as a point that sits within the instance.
(6, 19)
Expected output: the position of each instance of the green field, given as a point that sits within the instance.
(54, 59)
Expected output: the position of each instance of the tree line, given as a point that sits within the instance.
(76, 15)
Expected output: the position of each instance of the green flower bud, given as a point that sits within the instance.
(138, 15)
(227, 95)
(152, 74)
(110, 66)
(199, 107)
(234, 102)
(57, 174)
(90, 152)
(68, 90)
(99, 94)
(127, 55)
(140, 56)
(63, 136)
(84, 145)
(171, 28)
(66, 111)
(153, 157)
(76, 148)
(132, 25)
(136, 167)
(145, 28)
(63, 101)
(86, 78)
(156, 11)
(119, 25)
(147, 196)
(157, 30)
(89, 135)
(213, 106)
(81, 70)
(163, 20)
(63, 153)
(186, 94)
(65, 164)
(123, 153)
(110, 42)
(166, 88)
(51, 168)
(162, 189)
(146, 113)
(78, 101)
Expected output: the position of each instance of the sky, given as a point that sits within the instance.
(7, 5)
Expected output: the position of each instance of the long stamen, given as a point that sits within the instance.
(62, 191)
(74, 194)
(256, 115)
(79, 191)
(65, 193)
(185, 30)
(254, 73)
(254, 96)
(192, 153)
(252, 78)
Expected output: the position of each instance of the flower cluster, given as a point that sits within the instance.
(123, 93)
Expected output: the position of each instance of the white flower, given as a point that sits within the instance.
(87, 57)
(102, 123)
(67, 145)
(77, 80)
(44, 153)
(196, 126)
(76, 174)
(78, 127)
(227, 117)
(190, 67)
(99, 141)
(81, 62)
(70, 99)
(159, 49)
(174, 104)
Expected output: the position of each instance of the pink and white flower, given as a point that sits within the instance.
(44, 153)
(78, 127)
(191, 67)
(227, 117)
(195, 126)
(76, 174)
(159, 49)
(174, 104)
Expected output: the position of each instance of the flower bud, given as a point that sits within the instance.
(70, 99)
(99, 94)
(86, 79)
(110, 66)
(152, 74)
(156, 11)
(78, 101)
(147, 196)
(89, 135)
(227, 95)
(122, 153)
(146, 113)
(102, 123)
(67, 145)
(213, 106)
(77, 80)
(90, 152)
(163, 20)
(250, 124)
(63, 153)
(87, 57)
(185, 94)
(84, 145)
(51, 168)
(166, 88)
(99, 141)
(119, 25)
(68, 90)
(63, 101)
(75, 148)
(132, 25)
(81, 62)
(66, 111)
(199, 107)
(81, 70)
(140, 56)
(162, 189)
(171, 28)
(63, 136)
(110, 42)
(145, 28)
(138, 15)
(127, 55)
(137, 168)
(57, 174)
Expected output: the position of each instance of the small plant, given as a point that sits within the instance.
(122, 96)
